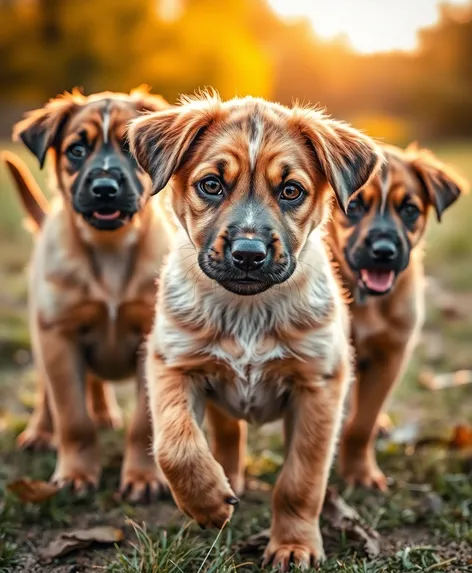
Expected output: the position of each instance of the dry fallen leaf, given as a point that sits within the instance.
(441, 381)
(342, 516)
(461, 437)
(32, 491)
(79, 538)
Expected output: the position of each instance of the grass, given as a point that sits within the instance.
(425, 521)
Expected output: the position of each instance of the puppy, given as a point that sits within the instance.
(103, 407)
(378, 247)
(250, 323)
(93, 272)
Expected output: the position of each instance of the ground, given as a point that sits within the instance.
(424, 521)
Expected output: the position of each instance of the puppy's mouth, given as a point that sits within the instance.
(376, 281)
(105, 216)
(108, 219)
(245, 286)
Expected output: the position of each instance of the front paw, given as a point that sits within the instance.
(78, 470)
(283, 555)
(206, 498)
(361, 469)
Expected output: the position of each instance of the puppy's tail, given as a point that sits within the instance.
(34, 201)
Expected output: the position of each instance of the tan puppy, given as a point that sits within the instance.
(103, 407)
(92, 284)
(377, 245)
(250, 322)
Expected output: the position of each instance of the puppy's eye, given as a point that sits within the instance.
(291, 192)
(125, 146)
(211, 186)
(356, 208)
(410, 211)
(77, 151)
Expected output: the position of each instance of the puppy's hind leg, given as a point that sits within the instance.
(102, 403)
(229, 445)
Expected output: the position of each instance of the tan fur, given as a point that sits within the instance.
(102, 407)
(91, 298)
(386, 327)
(101, 400)
(282, 353)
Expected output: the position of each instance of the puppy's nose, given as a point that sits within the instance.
(248, 254)
(104, 188)
(383, 250)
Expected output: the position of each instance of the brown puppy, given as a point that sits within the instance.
(92, 283)
(250, 322)
(103, 407)
(377, 245)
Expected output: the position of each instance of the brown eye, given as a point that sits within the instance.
(77, 151)
(290, 192)
(356, 208)
(410, 211)
(211, 186)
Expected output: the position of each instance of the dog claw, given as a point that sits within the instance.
(142, 487)
(81, 487)
(284, 556)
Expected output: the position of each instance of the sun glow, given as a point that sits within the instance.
(369, 25)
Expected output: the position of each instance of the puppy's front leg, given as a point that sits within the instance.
(312, 423)
(39, 433)
(229, 437)
(357, 461)
(197, 481)
(78, 458)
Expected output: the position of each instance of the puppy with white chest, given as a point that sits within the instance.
(92, 280)
(250, 323)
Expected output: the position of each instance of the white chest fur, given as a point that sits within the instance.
(244, 335)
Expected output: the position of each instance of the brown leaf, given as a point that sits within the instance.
(79, 538)
(32, 491)
(461, 437)
(343, 517)
(441, 381)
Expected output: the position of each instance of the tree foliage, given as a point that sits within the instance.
(239, 47)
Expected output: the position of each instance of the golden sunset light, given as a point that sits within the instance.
(369, 25)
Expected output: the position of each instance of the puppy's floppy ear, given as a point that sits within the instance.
(146, 101)
(41, 128)
(443, 185)
(347, 157)
(160, 140)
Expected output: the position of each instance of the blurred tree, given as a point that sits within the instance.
(239, 47)
(444, 83)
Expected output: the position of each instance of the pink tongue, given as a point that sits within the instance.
(379, 281)
(106, 216)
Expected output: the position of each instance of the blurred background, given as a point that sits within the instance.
(399, 69)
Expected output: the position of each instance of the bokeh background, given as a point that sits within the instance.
(399, 69)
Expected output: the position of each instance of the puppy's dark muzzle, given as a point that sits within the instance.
(248, 254)
(105, 188)
(383, 251)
